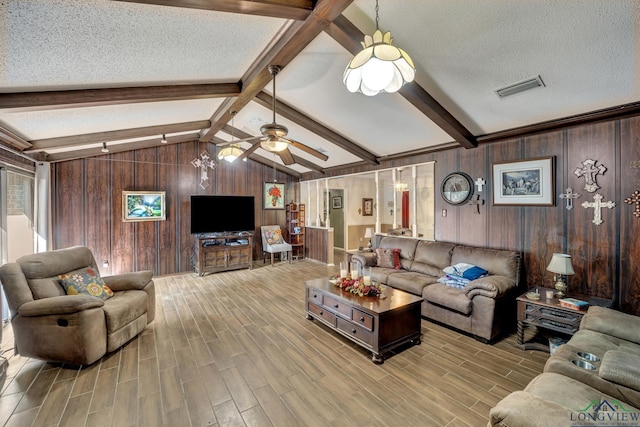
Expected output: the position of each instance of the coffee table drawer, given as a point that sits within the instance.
(363, 319)
(314, 296)
(355, 331)
(323, 313)
(337, 306)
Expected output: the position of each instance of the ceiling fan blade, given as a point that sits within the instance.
(307, 149)
(235, 141)
(249, 150)
(286, 156)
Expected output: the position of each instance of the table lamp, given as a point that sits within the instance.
(368, 234)
(560, 265)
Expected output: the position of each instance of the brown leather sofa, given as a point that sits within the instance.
(592, 380)
(483, 308)
(50, 325)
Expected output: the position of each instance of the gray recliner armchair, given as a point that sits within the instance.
(50, 325)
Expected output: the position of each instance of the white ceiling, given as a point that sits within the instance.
(586, 52)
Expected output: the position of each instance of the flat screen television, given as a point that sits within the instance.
(217, 214)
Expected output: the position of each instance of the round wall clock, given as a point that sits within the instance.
(457, 188)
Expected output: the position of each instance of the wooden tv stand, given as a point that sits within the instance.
(223, 252)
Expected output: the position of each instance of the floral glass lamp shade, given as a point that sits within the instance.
(368, 234)
(379, 67)
(561, 265)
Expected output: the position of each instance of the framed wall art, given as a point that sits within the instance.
(336, 202)
(273, 195)
(524, 182)
(367, 207)
(143, 206)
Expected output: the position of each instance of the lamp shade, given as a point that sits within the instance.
(379, 67)
(274, 144)
(368, 233)
(561, 264)
(230, 153)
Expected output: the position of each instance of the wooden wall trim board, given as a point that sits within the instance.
(87, 206)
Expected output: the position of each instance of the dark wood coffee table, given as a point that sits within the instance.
(377, 324)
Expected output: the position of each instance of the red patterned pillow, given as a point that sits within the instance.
(384, 258)
(396, 259)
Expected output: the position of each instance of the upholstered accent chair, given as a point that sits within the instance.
(273, 242)
(55, 314)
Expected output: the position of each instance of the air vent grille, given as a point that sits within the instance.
(520, 87)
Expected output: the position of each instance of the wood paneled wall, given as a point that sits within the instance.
(599, 253)
(606, 258)
(87, 204)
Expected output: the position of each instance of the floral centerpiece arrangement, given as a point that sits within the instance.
(357, 286)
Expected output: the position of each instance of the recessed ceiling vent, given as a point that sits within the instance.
(520, 86)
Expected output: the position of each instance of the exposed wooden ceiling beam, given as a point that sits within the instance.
(307, 122)
(307, 164)
(286, 9)
(286, 47)
(13, 140)
(91, 138)
(349, 36)
(268, 162)
(119, 148)
(111, 96)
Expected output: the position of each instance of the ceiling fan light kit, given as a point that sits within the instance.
(379, 67)
(230, 153)
(274, 136)
(274, 144)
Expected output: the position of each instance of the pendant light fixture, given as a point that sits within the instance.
(380, 66)
(164, 139)
(104, 148)
(232, 151)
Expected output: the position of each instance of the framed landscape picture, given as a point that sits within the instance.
(143, 206)
(524, 182)
(273, 195)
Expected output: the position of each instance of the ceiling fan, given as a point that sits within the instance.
(274, 136)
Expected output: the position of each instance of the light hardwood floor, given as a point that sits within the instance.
(235, 349)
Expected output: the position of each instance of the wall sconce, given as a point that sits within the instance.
(560, 265)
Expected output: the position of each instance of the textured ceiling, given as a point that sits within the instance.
(586, 52)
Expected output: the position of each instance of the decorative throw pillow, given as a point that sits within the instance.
(396, 259)
(274, 237)
(85, 282)
(384, 258)
(467, 271)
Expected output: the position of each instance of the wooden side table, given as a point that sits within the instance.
(548, 315)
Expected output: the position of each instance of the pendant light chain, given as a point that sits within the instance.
(377, 15)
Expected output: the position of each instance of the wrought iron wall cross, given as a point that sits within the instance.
(569, 195)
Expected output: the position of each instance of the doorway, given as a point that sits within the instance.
(336, 216)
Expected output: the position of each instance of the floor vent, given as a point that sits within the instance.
(520, 87)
